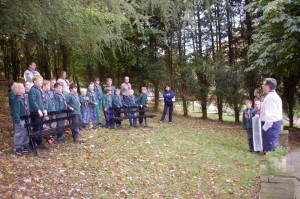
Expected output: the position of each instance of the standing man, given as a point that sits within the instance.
(168, 99)
(270, 115)
(30, 73)
(125, 87)
(63, 79)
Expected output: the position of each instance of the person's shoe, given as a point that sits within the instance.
(94, 127)
(101, 125)
(135, 126)
(170, 122)
(26, 149)
(141, 124)
(61, 139)
(51, 141)
(19, 152)
(41, 146)
(79, 138)
(160, 122)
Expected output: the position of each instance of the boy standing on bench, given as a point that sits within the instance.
(60, 105)
(38, 108)
(118, 103)
(142, 102)
(73, 103)
(107, 106)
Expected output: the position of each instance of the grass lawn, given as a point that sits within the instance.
(192, 158)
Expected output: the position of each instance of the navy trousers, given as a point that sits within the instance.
(167, 106)
(270, 137)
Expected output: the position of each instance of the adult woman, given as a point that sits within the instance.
(168, 99)
(63, 79)
(270, 115)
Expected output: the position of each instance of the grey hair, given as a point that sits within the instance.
(271, 82)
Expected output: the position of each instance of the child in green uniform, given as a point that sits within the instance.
(142, 102)
(74, 104)
(118, 103)
(21, 139)
(84, 107)
(60, 104)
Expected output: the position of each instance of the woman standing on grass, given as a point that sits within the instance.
(168, 99)
(270, 115)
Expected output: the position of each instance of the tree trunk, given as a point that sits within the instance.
(220, 107)
(156, 96)
(65, 58)
(204, 108)
(14, 57)
(185, 110)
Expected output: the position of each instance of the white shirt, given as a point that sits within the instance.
(66, 84)
(271, 110)
(29, 74)
(125, 87)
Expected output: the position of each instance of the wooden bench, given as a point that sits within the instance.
(46, 132)
(132, 109)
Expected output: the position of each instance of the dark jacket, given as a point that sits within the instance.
(84, 103)
(118, 101)
(247, 118)
(168, 96)
(60, 102)
(92, 98)
(50, 101)
(98, 92)
(73, 101)
(142, 99)
(37, 99)
(19, 108)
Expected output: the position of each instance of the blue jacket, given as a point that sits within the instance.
(168, 96)
(247, 118)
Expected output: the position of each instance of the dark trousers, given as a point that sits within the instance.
(250, 138)
(61, 123)
(35, 118)
(270, 137)
(125, 98)
(75, 120)
(141, 113)
(166, 107)
(132, 116)
(118, 114)
(109, 118)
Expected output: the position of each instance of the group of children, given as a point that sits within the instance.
(47, 96)
(92, 102)
(248, 114)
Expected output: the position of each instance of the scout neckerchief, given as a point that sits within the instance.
(92, 95)
(109, 100)
(42, 94)
(65, 102)
(51, 98)
(120, 101)
(67, 82)
(23, 97)
(76, 97)
(86, 103)
(98, 90)
(248, 112)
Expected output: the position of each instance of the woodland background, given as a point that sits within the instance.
(207, 50)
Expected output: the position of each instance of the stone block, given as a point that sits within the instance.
(283, 139)
(276, 179)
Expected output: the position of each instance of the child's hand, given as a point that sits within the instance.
(40, 113)
(146, 105)
(105, 109)
(87, 98)
(71, 109)
(95, 103)
(45, 113)
(141, 106)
